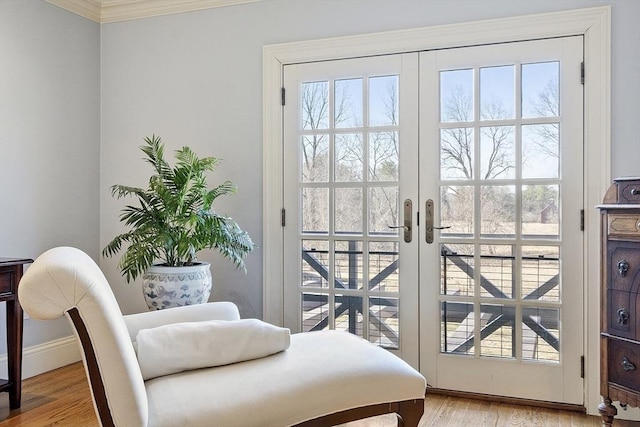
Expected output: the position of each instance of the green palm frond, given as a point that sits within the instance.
(174, 220)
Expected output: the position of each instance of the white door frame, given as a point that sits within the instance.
(593, 23)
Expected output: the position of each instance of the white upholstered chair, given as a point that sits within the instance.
(322, 379)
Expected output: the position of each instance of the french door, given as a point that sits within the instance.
(352, 155)
(502, 288)
(433, 207)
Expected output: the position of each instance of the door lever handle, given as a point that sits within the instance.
(429, 227)
(407, 214)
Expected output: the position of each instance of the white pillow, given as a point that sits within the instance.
(179, 347)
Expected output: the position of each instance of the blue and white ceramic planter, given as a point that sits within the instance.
(165, 287)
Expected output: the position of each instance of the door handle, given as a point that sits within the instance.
(429, 222)
(407, 212)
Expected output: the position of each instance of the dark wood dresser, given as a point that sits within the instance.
(620, 297)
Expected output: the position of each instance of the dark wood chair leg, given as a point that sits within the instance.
(607, 411)
(410, 412)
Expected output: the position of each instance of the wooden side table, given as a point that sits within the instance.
(11, 270)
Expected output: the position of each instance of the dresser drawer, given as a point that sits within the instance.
(6, 282)
(623, 265)
(623, 320)
(629, 191)
(624, 224)
(624, 363)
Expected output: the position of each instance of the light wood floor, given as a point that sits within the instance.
(61, 398)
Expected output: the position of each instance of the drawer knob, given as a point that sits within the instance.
(635, 191)
(623, 267)
(628, 366)
(623, 316)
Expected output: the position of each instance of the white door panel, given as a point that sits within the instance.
(501, 290)
(351, 155)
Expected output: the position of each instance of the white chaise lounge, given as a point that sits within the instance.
(322, 379)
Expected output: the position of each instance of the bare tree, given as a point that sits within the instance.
(383, 164)
(498, 145)
(457, 157)
(548, 105)
(315, 115)
(314, 149)
(456, 144)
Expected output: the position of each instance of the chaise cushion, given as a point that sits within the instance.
(321, 373)
(178, 347)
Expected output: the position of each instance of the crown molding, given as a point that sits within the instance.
(105, 11)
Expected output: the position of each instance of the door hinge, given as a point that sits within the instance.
(581, 219)
(582, 73)
(282, 217)
(581, 366)
(282, 96)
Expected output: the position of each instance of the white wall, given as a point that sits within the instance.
(49, 139)
(195, 79)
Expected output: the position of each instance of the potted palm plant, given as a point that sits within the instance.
(171, 223)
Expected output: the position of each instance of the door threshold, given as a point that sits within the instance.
(508, 400)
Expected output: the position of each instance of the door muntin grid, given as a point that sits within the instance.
(349, 194)
(500, 161)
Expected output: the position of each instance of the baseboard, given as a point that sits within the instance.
(45, 357)
(508, 400)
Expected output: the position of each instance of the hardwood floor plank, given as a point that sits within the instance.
(435, 403)
(478, 413)
(62, 398)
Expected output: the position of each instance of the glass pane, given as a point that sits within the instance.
(315, 312)
(315, 105)
(349, 314)
(314, 158)
(348, 210)
(384, 326)
(541, 151)
(456, 270)
(541, 334)
(383, 101)
(497, 152)
(456, 153)
(315, 263)
(541, 273)
(540, 90)
(348, 103)
(540, 211)
(498, 211)
(315, 210)
(383, 156)
(497, 92)
(497, 269)
(457, 328)
(456, 210)
(497, 323)
(456, 96)
(348, 265)
(383, 210)
(349, 153)
(383, 266)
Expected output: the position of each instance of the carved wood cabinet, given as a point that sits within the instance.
(620, 297)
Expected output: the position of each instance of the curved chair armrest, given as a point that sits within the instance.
(223, 310)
